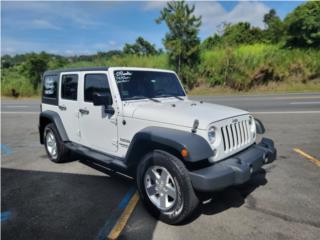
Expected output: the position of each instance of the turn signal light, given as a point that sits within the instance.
(184, 153)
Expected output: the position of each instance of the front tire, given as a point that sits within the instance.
(165, 187)
(54, 146)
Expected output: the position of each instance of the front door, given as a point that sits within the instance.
(98, 129)
(69, 105)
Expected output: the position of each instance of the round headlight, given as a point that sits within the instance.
(212, 134)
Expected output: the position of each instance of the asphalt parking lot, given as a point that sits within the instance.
(43, 200)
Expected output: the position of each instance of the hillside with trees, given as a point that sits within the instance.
(241, 57)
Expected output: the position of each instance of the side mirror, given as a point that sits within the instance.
(99, 99)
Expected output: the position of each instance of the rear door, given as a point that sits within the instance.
(68, 105)
(98, 129)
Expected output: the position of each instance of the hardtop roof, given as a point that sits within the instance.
(81, 69)
(100, 68)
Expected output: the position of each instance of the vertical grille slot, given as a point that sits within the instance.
(247, 131)
(234, 135)
(223, 138)
(228, 137)
(244, 132)
(239, 134)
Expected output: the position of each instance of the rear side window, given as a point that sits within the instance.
(95, 83)
(50, 85)
(69, 87)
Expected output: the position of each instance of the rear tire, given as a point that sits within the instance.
(180, 200)
(54, 146)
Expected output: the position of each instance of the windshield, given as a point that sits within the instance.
(147, 84)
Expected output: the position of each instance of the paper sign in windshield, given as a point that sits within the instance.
(123, 76)
(49, 85)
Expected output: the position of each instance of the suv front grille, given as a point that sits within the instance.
(235, 135)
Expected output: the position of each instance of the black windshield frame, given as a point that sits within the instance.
(141, 84)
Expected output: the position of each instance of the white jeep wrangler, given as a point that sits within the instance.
(140, 122)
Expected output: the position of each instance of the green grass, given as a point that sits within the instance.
(246, 68)
(272, 87)
(158, 61)
(12, 78)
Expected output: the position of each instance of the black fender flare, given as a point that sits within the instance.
(56, 120)
(198, 148)
(259, 126)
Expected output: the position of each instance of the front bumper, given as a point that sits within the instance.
(234, 170)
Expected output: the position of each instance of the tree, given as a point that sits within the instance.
(303, 25)
(241, 33)
(275, 29)
(182, 41)
(35, 66)
(211, 41)
(6, 61)
(270, 16)
(108, 54)
(141, 47)
(57, 62)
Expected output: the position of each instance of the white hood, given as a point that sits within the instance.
(182, 113)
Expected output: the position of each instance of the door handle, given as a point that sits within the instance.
(62, 107)
(84, 111)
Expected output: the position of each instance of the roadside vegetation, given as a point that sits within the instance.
(239, 58)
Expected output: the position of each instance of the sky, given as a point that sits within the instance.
(81, 28)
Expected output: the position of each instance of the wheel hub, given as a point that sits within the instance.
(51, 144)
(160, 187)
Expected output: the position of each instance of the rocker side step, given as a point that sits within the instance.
(113, 162)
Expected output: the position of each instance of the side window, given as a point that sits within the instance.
(50, 83)
(95, 83)
(69, 87)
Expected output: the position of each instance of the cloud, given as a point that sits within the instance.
(12, 46)
(153, 5)
(252, 12)
(63, 12)
(213, 14)
(26, 6)
(43, 24)
(104, 46)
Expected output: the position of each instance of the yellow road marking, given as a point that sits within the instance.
(307, 156)
(122, 221)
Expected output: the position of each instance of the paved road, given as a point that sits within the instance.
(42, 200)
(20, 106)
(264, 103)
(269, 103)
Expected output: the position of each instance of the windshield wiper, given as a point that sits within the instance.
(142, 97)
(170, 95)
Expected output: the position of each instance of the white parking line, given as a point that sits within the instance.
(304, 103)
(283, 112)
(288, 112)
(16, 106)
(19, 112)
